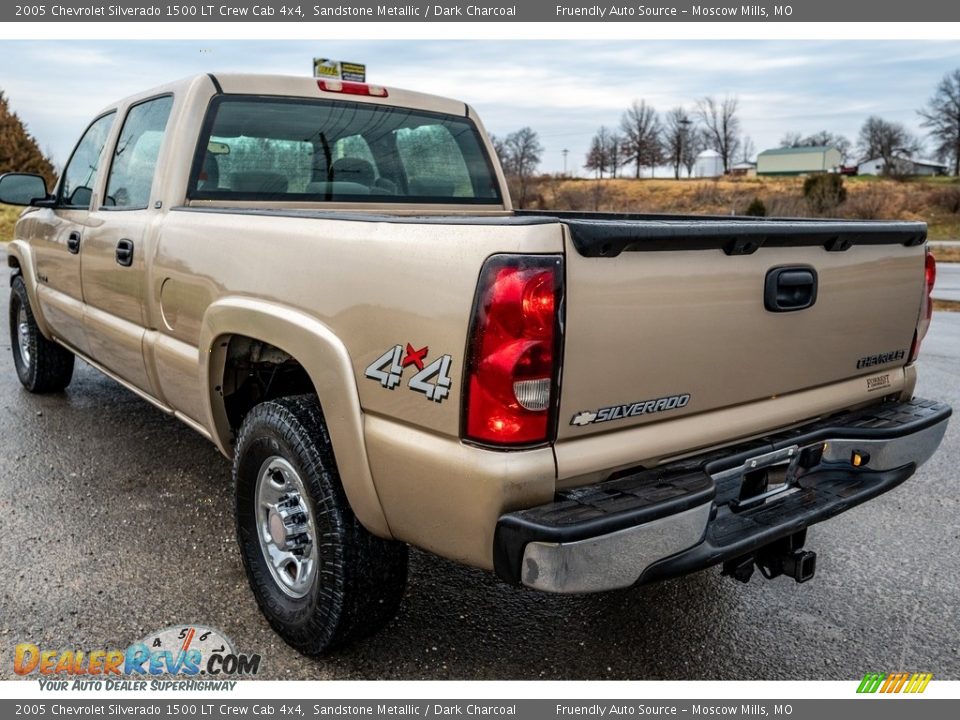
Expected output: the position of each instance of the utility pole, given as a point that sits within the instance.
(685, 124)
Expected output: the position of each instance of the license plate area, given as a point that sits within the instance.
(762, 478)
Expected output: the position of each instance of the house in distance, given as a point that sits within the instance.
(900, 166)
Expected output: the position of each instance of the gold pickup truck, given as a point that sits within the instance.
(327, 280)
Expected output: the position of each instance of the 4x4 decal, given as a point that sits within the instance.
(432, 380)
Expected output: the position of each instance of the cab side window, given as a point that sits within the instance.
(80, 175)
(135, 157)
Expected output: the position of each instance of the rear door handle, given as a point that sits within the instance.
(73, 242)
(125, 252)
(790, 288)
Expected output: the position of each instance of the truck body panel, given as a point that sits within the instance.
(649, 325)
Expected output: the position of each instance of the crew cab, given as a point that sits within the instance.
(328, 280)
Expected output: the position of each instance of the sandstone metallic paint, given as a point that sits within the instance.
(646, 325)
(57, 270)
(336, 294)
(114, 295)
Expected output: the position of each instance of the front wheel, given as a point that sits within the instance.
(320, 578)
(42, 365)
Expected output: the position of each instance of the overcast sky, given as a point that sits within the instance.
(564, 90)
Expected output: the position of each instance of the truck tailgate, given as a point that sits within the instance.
(670, 317)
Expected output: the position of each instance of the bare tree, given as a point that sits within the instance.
(679, 136)
(598, 156)
(696, 143)
(747, 149)
(500, 148)
(615, 152)
(520, 154)
(887, 140)
(641, 136)
(792, 140)
(824, 138)
(721, 126)
(942, 117)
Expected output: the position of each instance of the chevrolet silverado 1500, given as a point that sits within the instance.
(327, 280)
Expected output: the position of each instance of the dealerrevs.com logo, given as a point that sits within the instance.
(898, 682)
(184, 651)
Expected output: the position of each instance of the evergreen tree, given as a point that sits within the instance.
(18, 148)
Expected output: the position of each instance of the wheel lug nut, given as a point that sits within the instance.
(288, 503)
(298, 542)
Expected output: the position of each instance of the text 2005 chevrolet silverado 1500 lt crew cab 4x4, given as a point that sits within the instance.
(328, 281)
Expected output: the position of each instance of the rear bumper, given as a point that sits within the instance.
(679, 518)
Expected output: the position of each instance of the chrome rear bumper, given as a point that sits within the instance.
(682, 517)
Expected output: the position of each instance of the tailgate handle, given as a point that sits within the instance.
(790, 288)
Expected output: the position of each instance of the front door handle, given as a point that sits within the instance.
(125, 252)
(73, 242)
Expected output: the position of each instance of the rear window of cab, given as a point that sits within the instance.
(298, 149)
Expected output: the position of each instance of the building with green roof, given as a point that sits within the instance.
(799, 160)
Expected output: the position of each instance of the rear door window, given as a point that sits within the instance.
(135, 157)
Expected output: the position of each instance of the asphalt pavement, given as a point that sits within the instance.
(115, 520)
(947, 286)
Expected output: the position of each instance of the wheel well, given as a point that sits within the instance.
(256, 371)
(14, 265)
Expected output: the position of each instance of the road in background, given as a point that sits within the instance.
(947, 286)
(116, 520)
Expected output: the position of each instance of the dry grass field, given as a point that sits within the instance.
(934, 200)
(8, 217)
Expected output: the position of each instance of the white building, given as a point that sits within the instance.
(744, 169)
(708, 164)
(904, 166)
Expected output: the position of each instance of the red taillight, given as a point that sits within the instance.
(513, 354)
(930, 272)
(926, 309)
(352, 88)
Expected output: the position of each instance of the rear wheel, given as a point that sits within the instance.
(320, 578)
(42, 365)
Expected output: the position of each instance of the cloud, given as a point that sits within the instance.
(563, 89)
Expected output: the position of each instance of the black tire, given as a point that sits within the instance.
(45, 367)
(359, 579)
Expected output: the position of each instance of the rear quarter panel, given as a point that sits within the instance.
(375, 285)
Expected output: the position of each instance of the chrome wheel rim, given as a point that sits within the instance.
(285, 527)
(23, 335)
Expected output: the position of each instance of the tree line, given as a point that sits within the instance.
(19, 151)
(646, 139)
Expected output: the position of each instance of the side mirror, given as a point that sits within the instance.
(22, 189)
